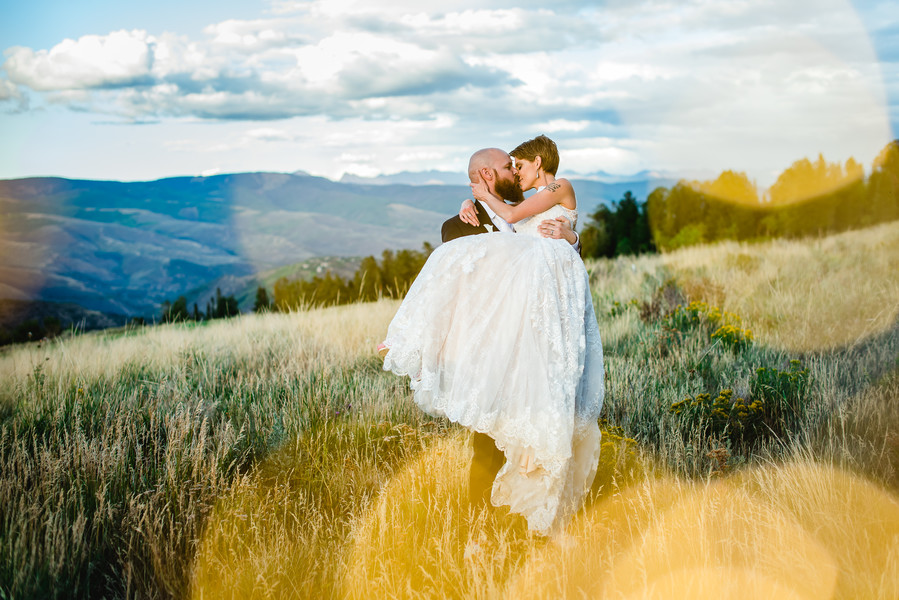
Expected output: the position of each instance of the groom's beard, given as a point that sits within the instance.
(509, 190)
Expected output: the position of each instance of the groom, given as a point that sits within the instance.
(496, 168)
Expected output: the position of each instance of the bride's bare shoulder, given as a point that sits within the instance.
(562, 189)
(560, 185)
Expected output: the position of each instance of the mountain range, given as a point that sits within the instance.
(125, 247)
(433, 177)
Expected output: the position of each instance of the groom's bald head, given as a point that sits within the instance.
(486, 158)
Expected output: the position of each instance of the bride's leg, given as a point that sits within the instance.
(527, 464)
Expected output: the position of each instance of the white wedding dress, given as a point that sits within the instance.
(498, 334)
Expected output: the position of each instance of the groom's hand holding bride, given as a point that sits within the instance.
(556, 229)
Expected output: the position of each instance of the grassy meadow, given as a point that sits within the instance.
(750, 449)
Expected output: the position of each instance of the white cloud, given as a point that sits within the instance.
(254, 36)
(563, 125)
(176, 55)
(361, 169)
(93, 61)
(420, 156)
(483, 22)
(248, 70)
(80, 98)
(357, 158)
(605, 156)
(9, 90)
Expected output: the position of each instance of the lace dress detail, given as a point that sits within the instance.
(498, 334)
(529, 225)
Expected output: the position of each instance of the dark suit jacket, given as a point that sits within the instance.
(455, 227)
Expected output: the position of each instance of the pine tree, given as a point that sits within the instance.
(175, 311)
(263, 304)
(231, 308)
(221, 310)
(166, 311)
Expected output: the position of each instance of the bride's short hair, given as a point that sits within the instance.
(540, 146)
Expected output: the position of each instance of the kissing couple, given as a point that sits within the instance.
(498, 334)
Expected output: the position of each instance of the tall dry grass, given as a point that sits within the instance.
(117, 448)
(802, 296)
(270, 456)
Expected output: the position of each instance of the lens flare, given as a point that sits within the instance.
(423, 537)
(787, 531)
(775, 93)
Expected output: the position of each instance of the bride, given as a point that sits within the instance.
(498, 334)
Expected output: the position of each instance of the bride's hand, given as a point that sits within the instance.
(480, 191)
(468, 214)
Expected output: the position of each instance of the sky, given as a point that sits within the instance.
(139, 91)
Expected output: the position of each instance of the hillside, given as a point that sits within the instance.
(15, 313)
(124, 247)
(244, 287)
(269, 455)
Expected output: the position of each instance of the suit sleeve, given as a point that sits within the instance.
(455, 227)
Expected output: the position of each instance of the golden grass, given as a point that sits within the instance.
(422, 538)
(298, 341)
(800, 295)
(796, 530)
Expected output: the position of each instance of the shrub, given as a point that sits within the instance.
(739, 420)
(784, 394)
(619, 309)
(775, 407)
(721, 326)
(733, 337)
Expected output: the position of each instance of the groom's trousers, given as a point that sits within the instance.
(486, 462)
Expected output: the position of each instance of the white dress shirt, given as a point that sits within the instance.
(500, 223)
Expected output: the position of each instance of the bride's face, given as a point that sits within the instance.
(527, 173)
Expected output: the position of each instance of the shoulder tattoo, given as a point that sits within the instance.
(553, 187)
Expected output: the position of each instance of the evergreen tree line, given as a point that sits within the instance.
(810, 198)
(389, 278)
(218, 307)
(622, 228)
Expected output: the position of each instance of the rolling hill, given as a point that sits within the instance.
(124, 247)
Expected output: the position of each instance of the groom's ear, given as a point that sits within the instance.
(486, 174)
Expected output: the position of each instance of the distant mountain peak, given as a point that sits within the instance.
(639, 176)
(431, 177)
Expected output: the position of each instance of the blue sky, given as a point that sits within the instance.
(135, 91)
